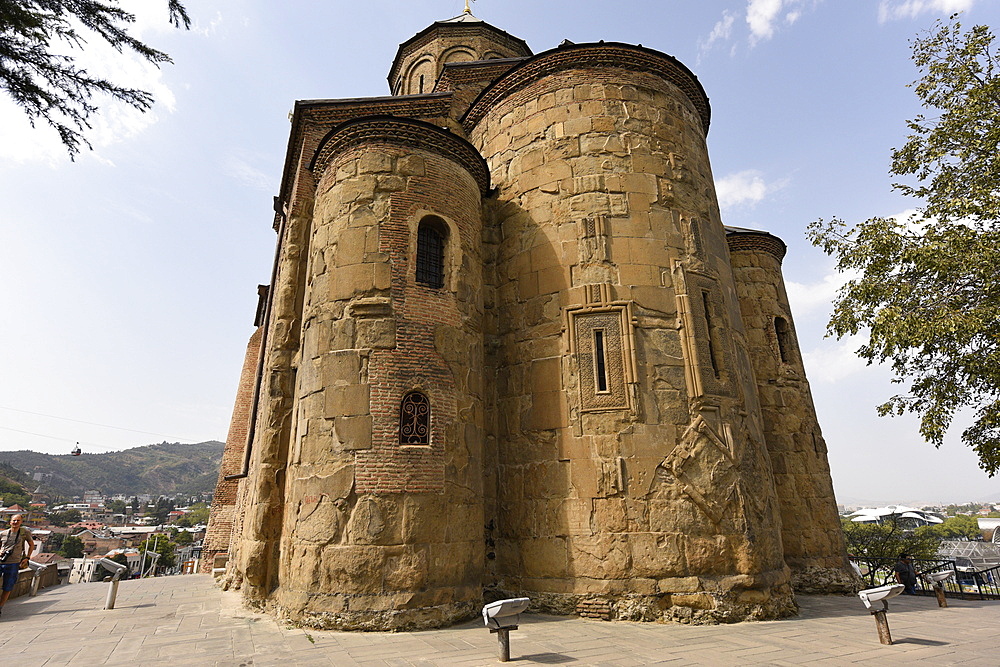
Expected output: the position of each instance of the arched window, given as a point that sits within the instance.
(415, 420)
(431, 236)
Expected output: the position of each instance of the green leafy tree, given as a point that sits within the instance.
(72, 547)
(163, 546)
(122, 559)
(65, 517)
(887, 540)
(12, 486)
(183, 538)
(162, 508)
(958, 527)
(49, 86)
(927, 289)
(55, 542)
(198, 514)
(115, 506)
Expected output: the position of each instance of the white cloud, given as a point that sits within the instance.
(248, 175)
(834, 361)
(210, 29)
(889, 10)
(761, 16)
(745, 188)
(722, 30)
(807, 299)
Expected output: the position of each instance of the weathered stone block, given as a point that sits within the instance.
(353, 433)
(340, 368)
(347, 400)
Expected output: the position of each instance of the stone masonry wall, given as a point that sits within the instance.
(811, 536)
(220, 523)
(381, 536)
(655, 494)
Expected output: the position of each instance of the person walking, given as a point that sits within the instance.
(13, 555)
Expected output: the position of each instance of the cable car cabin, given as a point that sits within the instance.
(76, 451)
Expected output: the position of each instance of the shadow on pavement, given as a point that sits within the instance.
(545, 658)
(921, 642)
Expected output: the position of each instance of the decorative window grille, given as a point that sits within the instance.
(415, 420)
(430, 252)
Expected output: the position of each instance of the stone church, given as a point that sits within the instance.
(509, 348)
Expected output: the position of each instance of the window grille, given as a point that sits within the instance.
(415, 420)
(430, 255)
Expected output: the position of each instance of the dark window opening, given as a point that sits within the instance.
(421, 83)
(782, 334)
(600, 363)
(712, 356)
(415, 420)
(430, 252)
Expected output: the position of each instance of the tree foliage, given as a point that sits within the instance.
(49, 86)
(115, 506)
(72, 547)
(198, 514)
(162, 545)
(887, 540)
(957, 527)
(927, 289)
(65, 517)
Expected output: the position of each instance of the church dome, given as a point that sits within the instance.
(464, 38)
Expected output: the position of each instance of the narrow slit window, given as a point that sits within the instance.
(600, 362)
(431, 237)
(421, 83)
(781, 333)
(415, 420)
(710, 325)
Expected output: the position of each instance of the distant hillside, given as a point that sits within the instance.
(166, 468)
(13, 486)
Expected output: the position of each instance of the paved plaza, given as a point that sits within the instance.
(185, 620)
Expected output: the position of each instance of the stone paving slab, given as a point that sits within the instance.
(185, 621)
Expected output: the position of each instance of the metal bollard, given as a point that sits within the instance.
(503, 649)
(109, 602)
(881, 594)
(937, 579)
(501, 617)
(882, 623)
(36, 579)
(118, 569)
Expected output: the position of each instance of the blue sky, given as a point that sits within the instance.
(130, 275)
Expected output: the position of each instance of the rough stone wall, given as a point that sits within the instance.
(811, 535)
(220, 522)
(655, 493)
(378, 535)
(596, 437)
(256, 541)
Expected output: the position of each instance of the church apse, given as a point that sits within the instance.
(508, 356)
